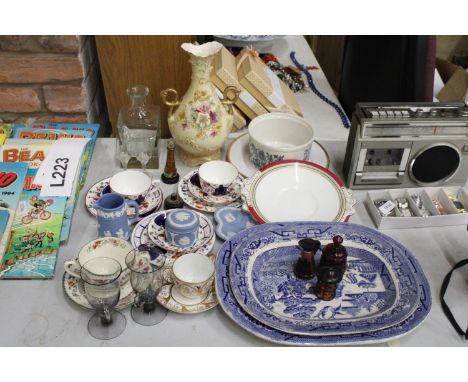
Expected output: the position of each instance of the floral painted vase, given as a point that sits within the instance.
(201, 121)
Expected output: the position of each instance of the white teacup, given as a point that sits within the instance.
(111, 247)
(193, 275)
(131, 184)
(216, 176)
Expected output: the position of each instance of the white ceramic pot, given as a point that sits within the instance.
(131, 184)
(279, 136)
(193, 275)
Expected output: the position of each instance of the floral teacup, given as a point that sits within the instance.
(216, 176)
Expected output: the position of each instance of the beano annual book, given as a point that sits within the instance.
(33, 243)
(12, 176)
(44, 134)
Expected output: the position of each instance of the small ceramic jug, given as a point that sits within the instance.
(112, 215)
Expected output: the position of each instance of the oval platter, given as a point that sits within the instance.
(233, 309)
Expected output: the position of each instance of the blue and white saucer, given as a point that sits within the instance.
(156, 233)
(230, 221)
(151, 202)
(140, 237)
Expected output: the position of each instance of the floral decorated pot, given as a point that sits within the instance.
(279, 136)
(200, 123)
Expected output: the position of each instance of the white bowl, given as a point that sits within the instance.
(131, 184)
(279, 136)
(295, 190)
(216, 174)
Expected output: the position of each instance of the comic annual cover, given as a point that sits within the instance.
(32, 247)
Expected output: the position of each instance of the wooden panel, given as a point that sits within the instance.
(329, 53)
(156, 61)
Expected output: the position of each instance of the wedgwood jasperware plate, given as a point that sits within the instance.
(378, 289)
(232, 308)
(239, 155)
(230, 221)
(233, 192)
(140, 237)
(166, 299)
(74, 289)
(153, 199)
(296, 190)
(156, 233)
(193, 201)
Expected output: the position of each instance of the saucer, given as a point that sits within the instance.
(140, 237)
(194, 202)
(152, 201)
(172, 300)
(239, 155)
(233, 192)
(230, 221)
(74, 289)
(157, 235)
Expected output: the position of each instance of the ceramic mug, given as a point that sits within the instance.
(193, 275)
(216, 176)
(279, 136)
(131, 184)
(111, 210)
(112, 247)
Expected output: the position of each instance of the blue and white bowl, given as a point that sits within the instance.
(181, 227)
(279, 136)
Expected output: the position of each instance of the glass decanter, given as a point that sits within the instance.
(139, 128)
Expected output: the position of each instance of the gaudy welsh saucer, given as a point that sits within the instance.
(152, 201)
(140, 237)
(156, 233)
(232, 194)
(167, 300)
(194, 202)
(230, 221)
(74, 289)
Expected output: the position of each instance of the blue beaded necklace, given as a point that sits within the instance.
(339, 110)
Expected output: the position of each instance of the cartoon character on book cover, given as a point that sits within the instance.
(34, 239)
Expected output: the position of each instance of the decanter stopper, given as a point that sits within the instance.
(305, 266)
(334, 254)
(170, 175)
(328, 279)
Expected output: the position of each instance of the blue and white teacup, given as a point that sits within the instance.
(216, 176)
(112, 216)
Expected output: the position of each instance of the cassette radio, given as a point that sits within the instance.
(407, 145)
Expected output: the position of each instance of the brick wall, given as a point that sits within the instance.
(51, 79)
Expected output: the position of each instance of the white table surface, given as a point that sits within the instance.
(37, 313)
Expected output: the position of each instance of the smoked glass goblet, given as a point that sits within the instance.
(146, 277)
(102, 290)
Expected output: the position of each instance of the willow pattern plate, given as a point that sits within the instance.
(232, 308)
(378, 289)
(153, 199)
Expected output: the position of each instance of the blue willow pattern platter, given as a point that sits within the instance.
(378, 289)
(232, 308)
(140, 237)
